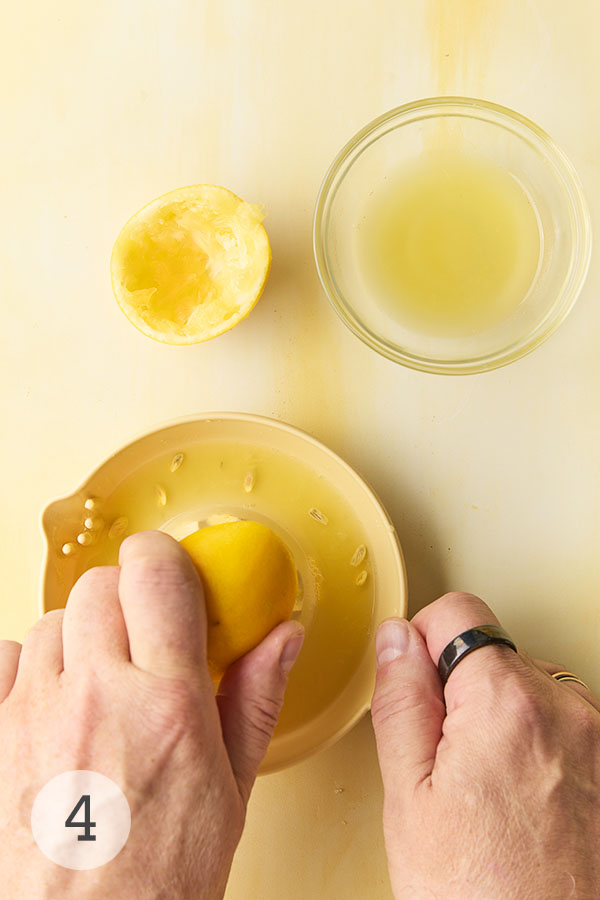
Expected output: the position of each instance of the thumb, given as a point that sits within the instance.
(408, 706)
(250, 697)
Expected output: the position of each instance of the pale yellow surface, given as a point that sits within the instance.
(493, 481)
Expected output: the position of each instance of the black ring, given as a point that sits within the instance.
(468, 641)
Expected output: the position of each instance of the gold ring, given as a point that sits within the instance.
(568, 676)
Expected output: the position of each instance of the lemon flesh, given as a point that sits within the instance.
(250, 586)
(191, 264)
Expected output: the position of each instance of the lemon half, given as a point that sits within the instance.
(250, 586)
(191, 264)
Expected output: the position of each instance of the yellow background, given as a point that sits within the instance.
(493, 481)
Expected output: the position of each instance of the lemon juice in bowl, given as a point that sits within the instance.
(450, 244)
(214, 482)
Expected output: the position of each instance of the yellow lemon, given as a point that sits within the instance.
(250, 586)
(191, 264)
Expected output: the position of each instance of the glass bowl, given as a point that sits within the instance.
(203, 470)
(499, 136)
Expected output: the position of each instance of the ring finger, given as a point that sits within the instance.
(551, 668)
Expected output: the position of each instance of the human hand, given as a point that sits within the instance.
(118, 683)
(496, 794)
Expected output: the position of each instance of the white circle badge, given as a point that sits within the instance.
(81, 819)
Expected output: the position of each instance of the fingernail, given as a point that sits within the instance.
(391, 640)
(290, 652)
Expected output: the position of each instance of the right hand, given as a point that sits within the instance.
(492, 786)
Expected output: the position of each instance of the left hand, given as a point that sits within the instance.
(118, 683)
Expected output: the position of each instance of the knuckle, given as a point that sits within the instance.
(176, 696)
(165, 571)
(524, 702)
(174, 706)
(86, 701)
(91, 577)
(393, 702)
(48, 621)
(499, 677)
(52, 620)
(262, 713)
(586, 723)
(94, 579)
(53, 615)
(451, 598)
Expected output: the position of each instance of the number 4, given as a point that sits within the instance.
(84, 801)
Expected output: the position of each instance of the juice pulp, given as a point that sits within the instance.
(248, 481)
(450, 244)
